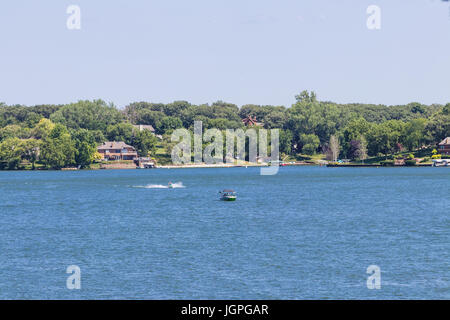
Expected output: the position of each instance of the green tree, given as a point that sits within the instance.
(58, 149)
(380, 140)
(14, 131)
(176, 108)
(120, 132)
(311, 117)
(150, 117)
(91, 115)
(31, 150)
(42, 129)
(446, 109)
(275, 120)
(354, 129)
(170, 123)
(414, 133)
(438, 126)
(145, 143)
(222, 124)
(285, 141)
(310, 143)
(11, 151)
(305, 96)
(85, 147)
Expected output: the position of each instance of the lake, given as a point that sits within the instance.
(305, 233)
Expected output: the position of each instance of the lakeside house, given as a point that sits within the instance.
(148, 127)
(142, 127)
(112, 150)
(251, 121)
(444, 146)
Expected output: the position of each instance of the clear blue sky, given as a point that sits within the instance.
(240, 51)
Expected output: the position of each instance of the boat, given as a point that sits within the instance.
(441, 162)
(170, 185)
(228, 195)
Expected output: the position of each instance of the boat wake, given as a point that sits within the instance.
(161, 186)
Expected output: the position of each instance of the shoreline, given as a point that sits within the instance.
(224, 165)
(376, 165)
(211, 166)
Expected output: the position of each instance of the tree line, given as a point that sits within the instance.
(63, 135)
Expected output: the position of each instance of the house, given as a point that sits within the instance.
(444, 146)
(251, 121)
(142, 127)
(112, 150)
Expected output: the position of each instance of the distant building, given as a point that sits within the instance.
(251, 121)
(142, 127)
(112, 150)
(444, 146)
(145, 162)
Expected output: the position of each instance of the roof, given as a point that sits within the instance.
(114, 145)
(249, 121)
(446, 141)
(228, 190)
(144, 127)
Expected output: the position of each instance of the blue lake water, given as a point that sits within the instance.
(305, 233)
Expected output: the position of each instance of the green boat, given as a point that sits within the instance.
(228, 195)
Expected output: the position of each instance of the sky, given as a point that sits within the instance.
(239, 51)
